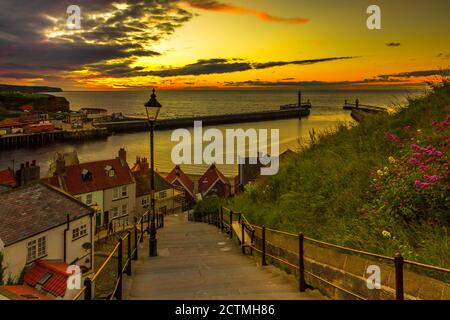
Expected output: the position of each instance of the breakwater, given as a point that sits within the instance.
(136, 124)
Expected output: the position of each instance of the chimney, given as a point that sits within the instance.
(60, 165)
(145, 167)
(123, 155)
(27, 174)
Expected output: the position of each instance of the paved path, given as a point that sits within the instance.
(197, 261)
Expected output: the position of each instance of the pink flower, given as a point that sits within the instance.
(432, 178)
(420, 184)
(392, 137)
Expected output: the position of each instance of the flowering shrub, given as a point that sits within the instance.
(416, 186)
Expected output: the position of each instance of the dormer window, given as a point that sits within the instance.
(86, 175)
(110, 171)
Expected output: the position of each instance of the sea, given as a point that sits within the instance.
(326, 114)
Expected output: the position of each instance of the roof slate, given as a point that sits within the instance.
(30, 210)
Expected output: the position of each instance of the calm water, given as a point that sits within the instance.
(326, 113)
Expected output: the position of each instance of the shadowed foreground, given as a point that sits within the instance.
(197, 261)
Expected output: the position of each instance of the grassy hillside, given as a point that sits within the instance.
(382, 186)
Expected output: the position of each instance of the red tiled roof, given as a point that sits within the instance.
(178, 175)
(27, 107)
(209, 179)
(6, 123)
(72, 182)
(56, 284)
(7, 178)
(25, 292)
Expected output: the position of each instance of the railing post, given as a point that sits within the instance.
(129, 254)
(263, 249)
(221, 219)
(142, 229)
(231, 224)
(119, 270)
(398, 261)
(301, 264)
(243, 236)
(251, 242)
(88, 291)
(136, 235)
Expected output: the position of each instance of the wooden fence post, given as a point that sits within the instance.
(263, 249)
(142, 229)
(398, 261)
(301, 264)
(231, 224)
(136, 244)
(129, 254)
(119, 270)
(88, 291)
(243, 236)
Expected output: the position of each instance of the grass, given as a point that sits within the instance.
(323, 190)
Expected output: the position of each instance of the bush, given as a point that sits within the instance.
(328, 193)
(207, 206)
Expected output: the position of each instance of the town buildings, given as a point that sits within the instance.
(108, 186)
(185, 185)
(43, 226)
(167, 197)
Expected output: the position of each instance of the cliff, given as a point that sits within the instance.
(40, 102)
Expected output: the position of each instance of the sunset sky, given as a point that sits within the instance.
(135, 44)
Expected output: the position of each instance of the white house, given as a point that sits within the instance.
(43, 227)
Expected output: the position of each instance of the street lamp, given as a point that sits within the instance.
(152, 108)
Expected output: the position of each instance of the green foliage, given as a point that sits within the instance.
(206, 206)
(327, 190)
(2, 269)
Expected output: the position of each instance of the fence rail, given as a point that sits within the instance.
(124, 262)
(224, 220)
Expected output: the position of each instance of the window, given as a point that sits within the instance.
(124, 191)
(79, 232)
(144, 201)
(115, 212)
(89, 199)
(75, 233)
(163, 194)
(115, 193)
(124, 210)
(36, 249)
(83, 230)
(42, 247)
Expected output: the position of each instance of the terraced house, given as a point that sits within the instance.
(167, 197)
(107, 186)
(43, 230)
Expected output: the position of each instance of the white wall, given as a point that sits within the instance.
(16, 254)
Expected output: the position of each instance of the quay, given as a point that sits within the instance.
(360, 111)
(137, 124)
(13, 141)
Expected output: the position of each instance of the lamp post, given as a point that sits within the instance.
(152, 108)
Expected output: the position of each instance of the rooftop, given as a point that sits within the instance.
(210, 177)
(30, 210)
(72, 180)
(178, 175)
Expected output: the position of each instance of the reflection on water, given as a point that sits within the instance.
(292, 131)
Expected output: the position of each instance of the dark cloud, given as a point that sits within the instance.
(34, 36)
(414, 74)
(220, 65)
(443, 55)
(393, 44)
(260, 83)
(298, 62)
